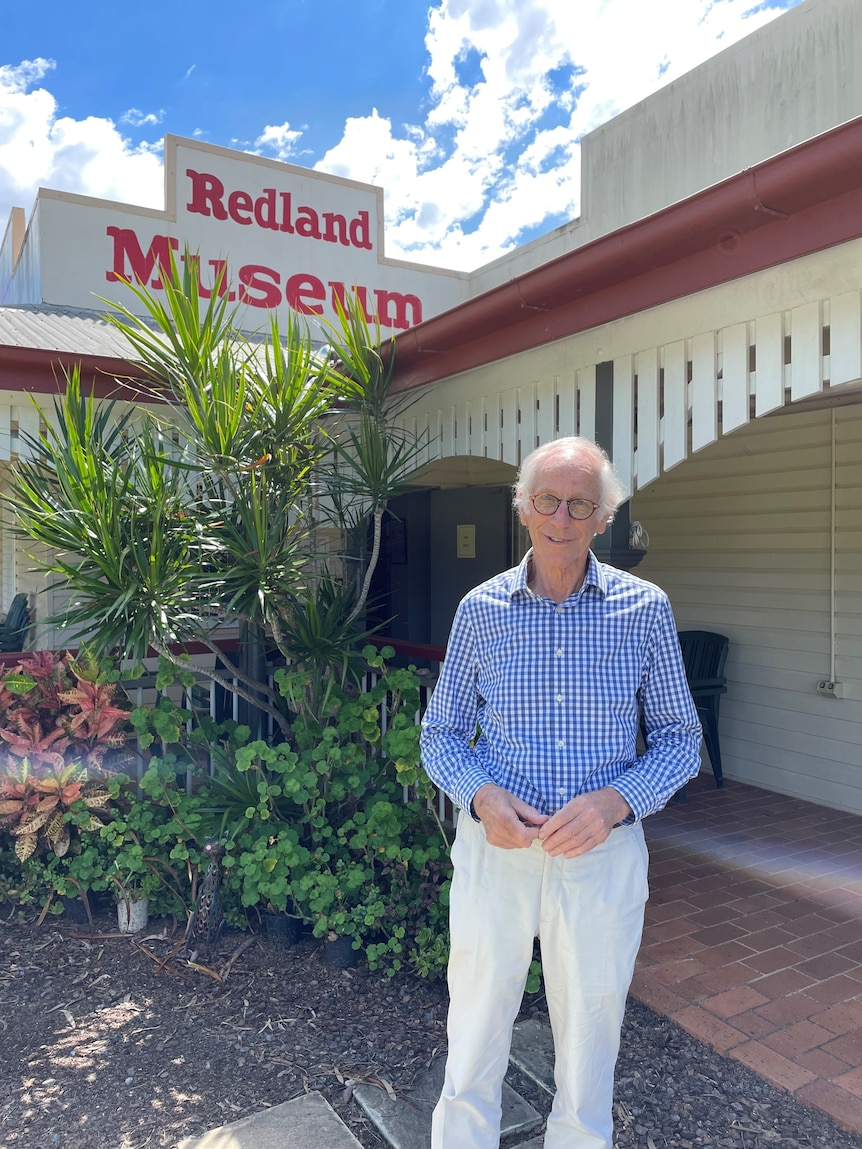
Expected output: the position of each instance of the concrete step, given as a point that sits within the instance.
(310, 1122)
(406, 1122)
(532, 1052)
(307, 1122)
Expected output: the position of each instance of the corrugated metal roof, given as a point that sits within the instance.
(47, 328)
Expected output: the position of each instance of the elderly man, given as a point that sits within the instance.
(532, 732)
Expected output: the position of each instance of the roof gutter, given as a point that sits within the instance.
(42, 371)
(803, 200)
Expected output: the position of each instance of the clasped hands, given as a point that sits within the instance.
(580, 825)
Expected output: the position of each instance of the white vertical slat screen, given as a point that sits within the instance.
(476, 414)
(587, 402)
(647, 417)
(675, 419)
(436, 424)
(5, 431)
(567, 399)
(704, 391)
(623, 436)
(509, 427)
(806, 350)
(461, 438)
(546, 410)
(28, 429)
(735, 406)
(845, 339)
(9, 555)
(527, 425)
(447, 433)
(769, 364)
(424, 436)
(493, 423)
(681, 387)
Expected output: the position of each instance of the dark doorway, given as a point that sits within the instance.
(436, 546)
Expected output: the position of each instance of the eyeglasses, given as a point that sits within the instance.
(577, 508)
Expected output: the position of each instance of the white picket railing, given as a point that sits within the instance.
(203, 698)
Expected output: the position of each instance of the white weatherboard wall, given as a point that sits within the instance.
(740, 539)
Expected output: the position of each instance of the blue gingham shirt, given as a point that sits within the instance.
(556, 691)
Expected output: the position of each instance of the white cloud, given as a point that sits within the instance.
(279, 141)
(90, 156)
(139, 119)
(499, 151)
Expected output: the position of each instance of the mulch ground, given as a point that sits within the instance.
(105, 1045)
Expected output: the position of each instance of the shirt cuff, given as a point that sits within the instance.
(629, 792)
(467, 788)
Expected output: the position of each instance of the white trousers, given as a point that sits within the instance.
(588, 913)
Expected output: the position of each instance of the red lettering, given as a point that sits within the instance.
(252, 277)
(332, 222)
(274, 211)
(286, 225)
(301, 287)
(128, 249)
(307, 223)
(360, 231)
(400, 302)
(264, 210)
(207, 194)
(238, 202)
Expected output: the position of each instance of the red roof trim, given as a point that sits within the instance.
(804, 200)
(41, 371)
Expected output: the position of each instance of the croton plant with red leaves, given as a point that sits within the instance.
(58, 720)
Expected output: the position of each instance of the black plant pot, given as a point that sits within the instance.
(340, 954)
(282, 929)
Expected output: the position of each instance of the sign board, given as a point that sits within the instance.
(271, 235)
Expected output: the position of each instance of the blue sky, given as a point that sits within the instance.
(467, 112)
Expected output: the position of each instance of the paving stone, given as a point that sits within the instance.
(406, 1122)
(533, 1052)
(307, 1122)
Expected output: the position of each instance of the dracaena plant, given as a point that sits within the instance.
(221, 500)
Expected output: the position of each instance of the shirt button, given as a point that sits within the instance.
(559, 698)
(561, 792)
(559, 652)
(561, 744)
(559, 610)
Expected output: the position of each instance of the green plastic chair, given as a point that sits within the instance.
(14, 628)
(704, 653)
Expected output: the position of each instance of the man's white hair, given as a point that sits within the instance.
(569, 449)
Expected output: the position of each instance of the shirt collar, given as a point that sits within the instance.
(595, 575)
